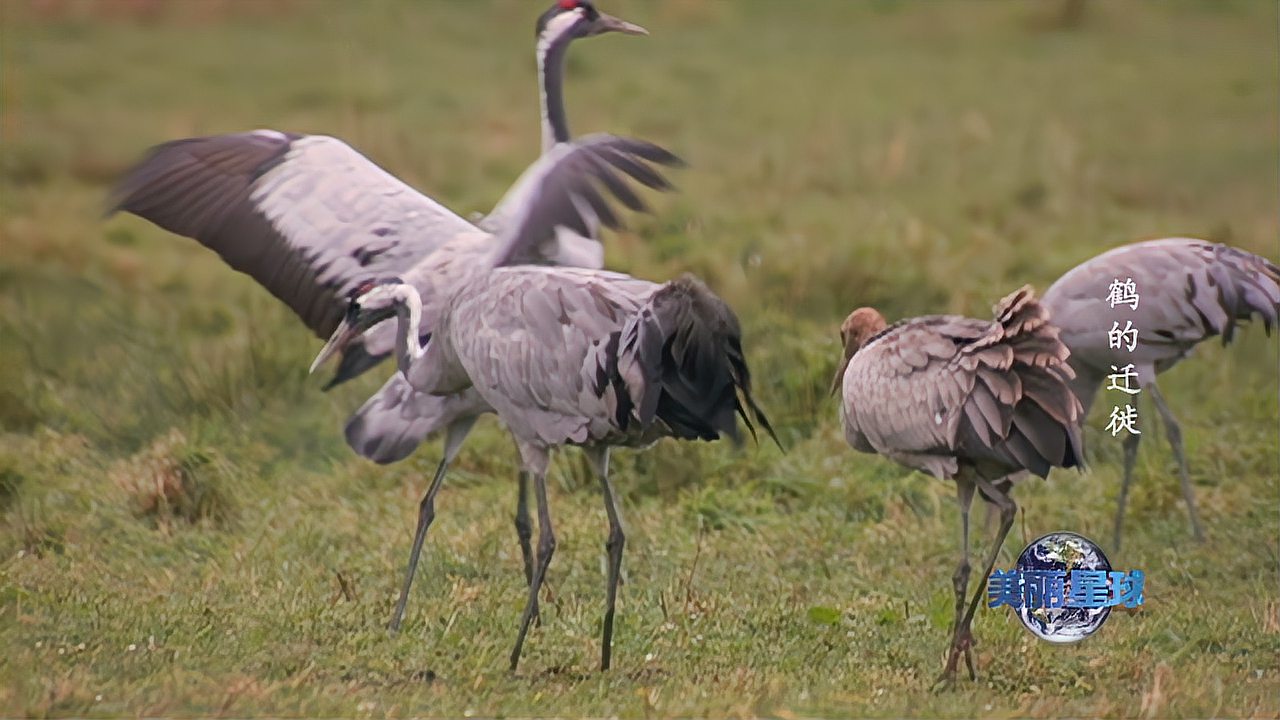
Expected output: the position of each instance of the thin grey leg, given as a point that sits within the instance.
(960, 580)
(546, 548)
(613, 547)
(1174, 432)
(524, 529)
(426, 513)
(964, 634)
(454, 437)
(1130, 455)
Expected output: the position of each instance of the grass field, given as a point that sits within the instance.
(184, 532)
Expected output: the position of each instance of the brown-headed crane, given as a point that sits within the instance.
(978, 402)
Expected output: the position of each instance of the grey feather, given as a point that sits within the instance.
(1189, 291)
(564, 189)
(598, 358)
(391, 424)
(277, 207)
(937, 416)
(311, 219)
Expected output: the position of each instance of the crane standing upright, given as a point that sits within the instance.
(570, 356)
(979, 402)
(1185, 292)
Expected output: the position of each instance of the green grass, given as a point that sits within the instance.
(183, 531)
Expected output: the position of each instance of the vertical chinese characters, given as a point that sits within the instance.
(1123, 379)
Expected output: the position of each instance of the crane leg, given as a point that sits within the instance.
(960, 580)
(456, 434)
(964, 636)
(613, 546)
(426, 513)
(1130, 456)
(524, 529)
(1174, 432)
(546, 548)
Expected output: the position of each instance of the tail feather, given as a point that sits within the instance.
(1048, 415)
(684, 351)
(1247, 284)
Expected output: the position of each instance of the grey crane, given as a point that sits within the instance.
(1187, 291)
(564, 193)
(571, 356)
(310, 218)
(979, 402)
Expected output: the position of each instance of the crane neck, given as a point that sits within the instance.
(551, 53)
(408, 327)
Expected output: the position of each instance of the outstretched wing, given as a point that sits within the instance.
(306, 216)
(568, 189)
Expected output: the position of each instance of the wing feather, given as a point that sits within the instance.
(1190, 290)
(935, 390)
(541, 340)
(306, 216)
(570, 187)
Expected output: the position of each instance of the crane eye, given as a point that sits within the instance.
(361, 289)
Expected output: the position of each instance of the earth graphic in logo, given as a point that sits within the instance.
(1055, 555)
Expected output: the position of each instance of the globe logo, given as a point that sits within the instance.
(1063, 587)
(1063, 551)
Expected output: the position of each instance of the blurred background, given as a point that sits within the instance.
(182, 529)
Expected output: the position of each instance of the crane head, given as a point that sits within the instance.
(580, 18)
(861, 325)
(371, 303)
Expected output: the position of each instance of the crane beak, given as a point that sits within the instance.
(337, 341)
(608, 23)
(838, 381)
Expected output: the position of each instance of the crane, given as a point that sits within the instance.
(569, 356)
(565, 192)
(1185, 292)
(978, 402)
(310, 218)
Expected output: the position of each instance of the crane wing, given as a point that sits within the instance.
(533, 334)
(307, 216)
(902, 388)
(1188, 291)
(568, 190)
(395, 420)
(931, 390)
